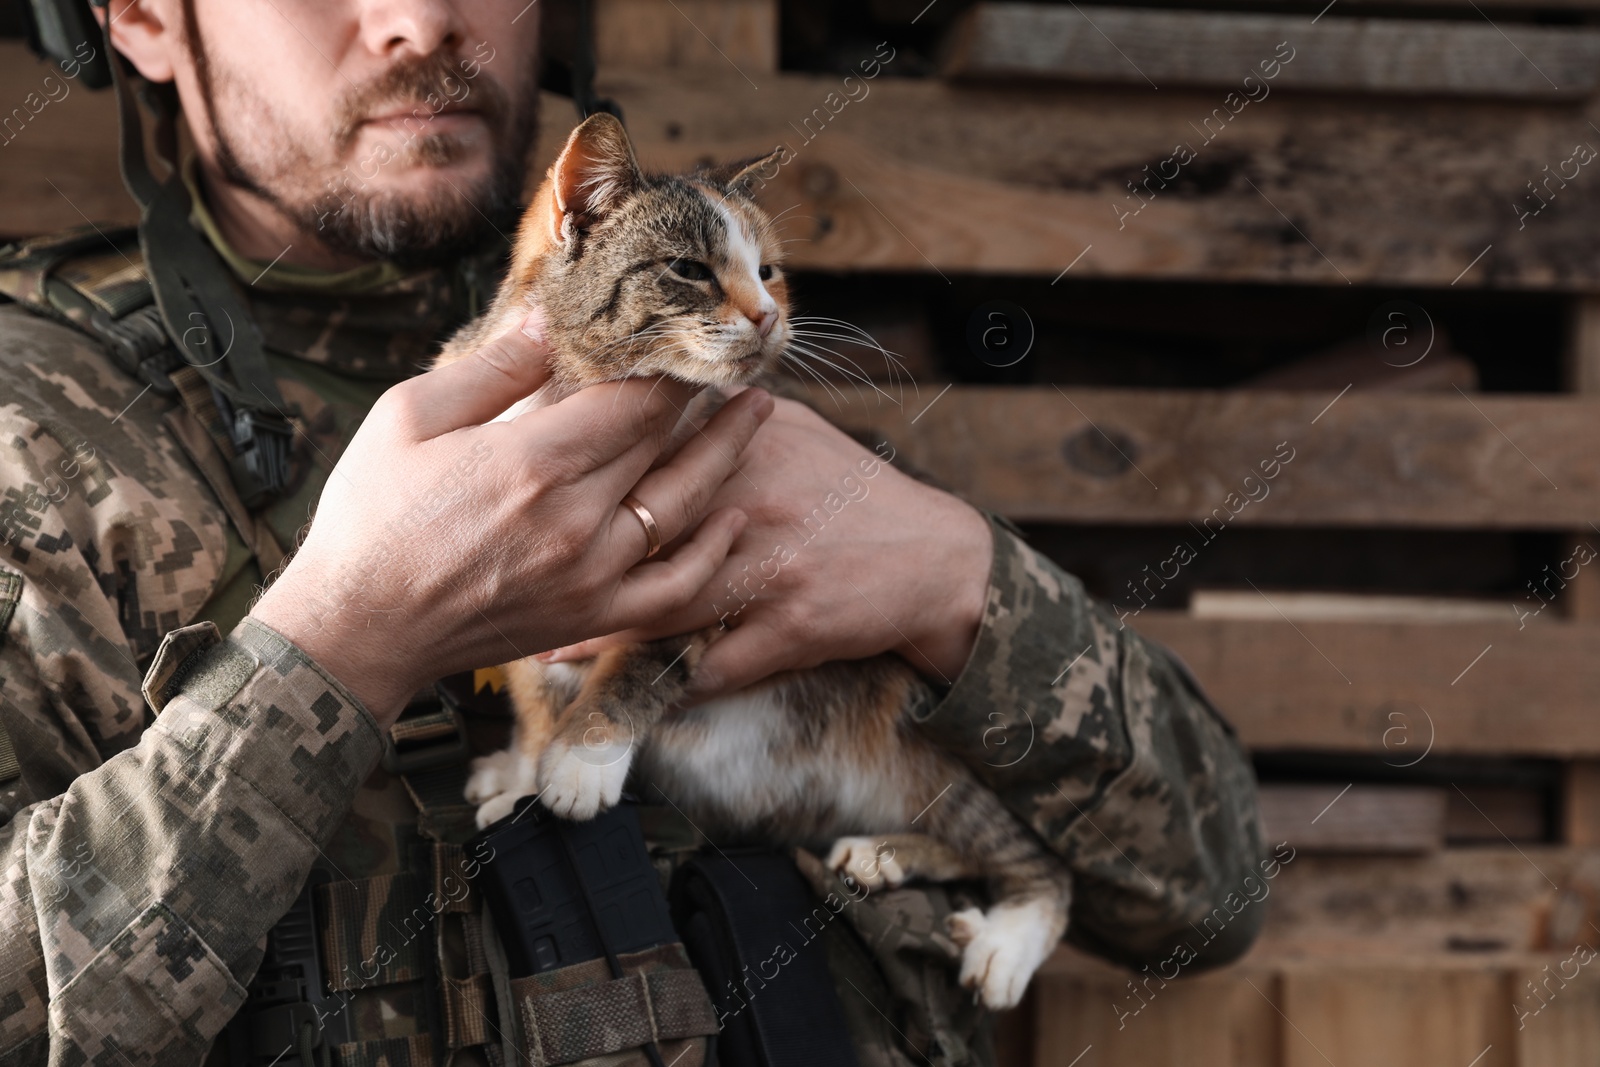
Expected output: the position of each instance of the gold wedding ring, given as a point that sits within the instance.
(652, 532)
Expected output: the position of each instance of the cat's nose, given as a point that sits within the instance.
(765, 324)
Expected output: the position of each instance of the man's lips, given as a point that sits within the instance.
(422, 113)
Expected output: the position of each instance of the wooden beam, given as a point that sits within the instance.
(736, 35)
(1148, 456)
(1580, 793)
(1356, 818)
(1183, 48)
(1388, 1018)
(61, 160)
(1478, 908)
(1397, 691)
(919, 175)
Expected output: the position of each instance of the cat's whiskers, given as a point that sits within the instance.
(827, 386)
(853, 371)
(850, 333)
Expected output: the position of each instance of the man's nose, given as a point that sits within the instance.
(418, 27)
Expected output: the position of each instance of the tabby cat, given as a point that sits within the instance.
(680, 276)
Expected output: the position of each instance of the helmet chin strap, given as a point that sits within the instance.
(202, 305)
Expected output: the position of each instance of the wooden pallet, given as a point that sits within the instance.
(1419, 956)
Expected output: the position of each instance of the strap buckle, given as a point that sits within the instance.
(261, 440)
(429, 733)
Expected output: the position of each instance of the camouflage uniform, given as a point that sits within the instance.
(161, 812)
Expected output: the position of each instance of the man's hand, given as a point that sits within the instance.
(441, 543)
(844, 557)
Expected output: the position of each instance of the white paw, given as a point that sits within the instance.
(1002, 949)
(497, 782)
(490, 776)
(868, 861)
(578, 783)
(494, 809)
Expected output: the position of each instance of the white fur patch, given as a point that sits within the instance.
(1002, 949)
(579, 783)
(497, 782)
(746, 253)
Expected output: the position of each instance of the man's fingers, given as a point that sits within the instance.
(630, 419)
(596, 645)
(736, 660)
(654, 589)
(676, 493)
(476, 388)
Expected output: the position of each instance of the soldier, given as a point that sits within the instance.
(179, 756)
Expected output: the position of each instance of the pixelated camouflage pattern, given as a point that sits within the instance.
(116, 541)
(1103, 744)
(142, 891)
(142, 865)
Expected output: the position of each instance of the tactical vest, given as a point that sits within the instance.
(417, 940)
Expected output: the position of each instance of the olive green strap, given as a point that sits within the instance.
(415, 1050)
(374, 931)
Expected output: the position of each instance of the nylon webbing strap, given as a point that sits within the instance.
(452, 889)
(466, 1010)
(413, 1051)
(9, 767)
(428, 751)
(636, 1010)
(375, 931)
(201, 305)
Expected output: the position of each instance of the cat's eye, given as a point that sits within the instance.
(766, 272)
(690, 269)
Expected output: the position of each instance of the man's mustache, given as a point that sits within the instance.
(418, 90)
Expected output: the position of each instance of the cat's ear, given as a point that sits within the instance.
(595, 172)
(749, 175)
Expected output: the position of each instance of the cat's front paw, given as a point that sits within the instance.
(1001, 950)
(868, 860)
(497, 782)
(580, 782)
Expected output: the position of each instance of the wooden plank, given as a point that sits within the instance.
(1580, 814)
(916, 174)
(1357, 818)
(1396, 691)
(1461, 904)
(1215, 1020)
(1259, 54)
(1559, 1025)
(1495, 814)
(1342, 607)
(1147, 456)
(1384, 1018)
(61, 163)
(741, 35)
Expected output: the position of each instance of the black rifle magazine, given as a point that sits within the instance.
(563, 892)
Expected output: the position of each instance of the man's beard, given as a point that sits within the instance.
(337, 204)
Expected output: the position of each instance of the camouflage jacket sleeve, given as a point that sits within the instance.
(133, 905)
(1101, 742)
(140, 864)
